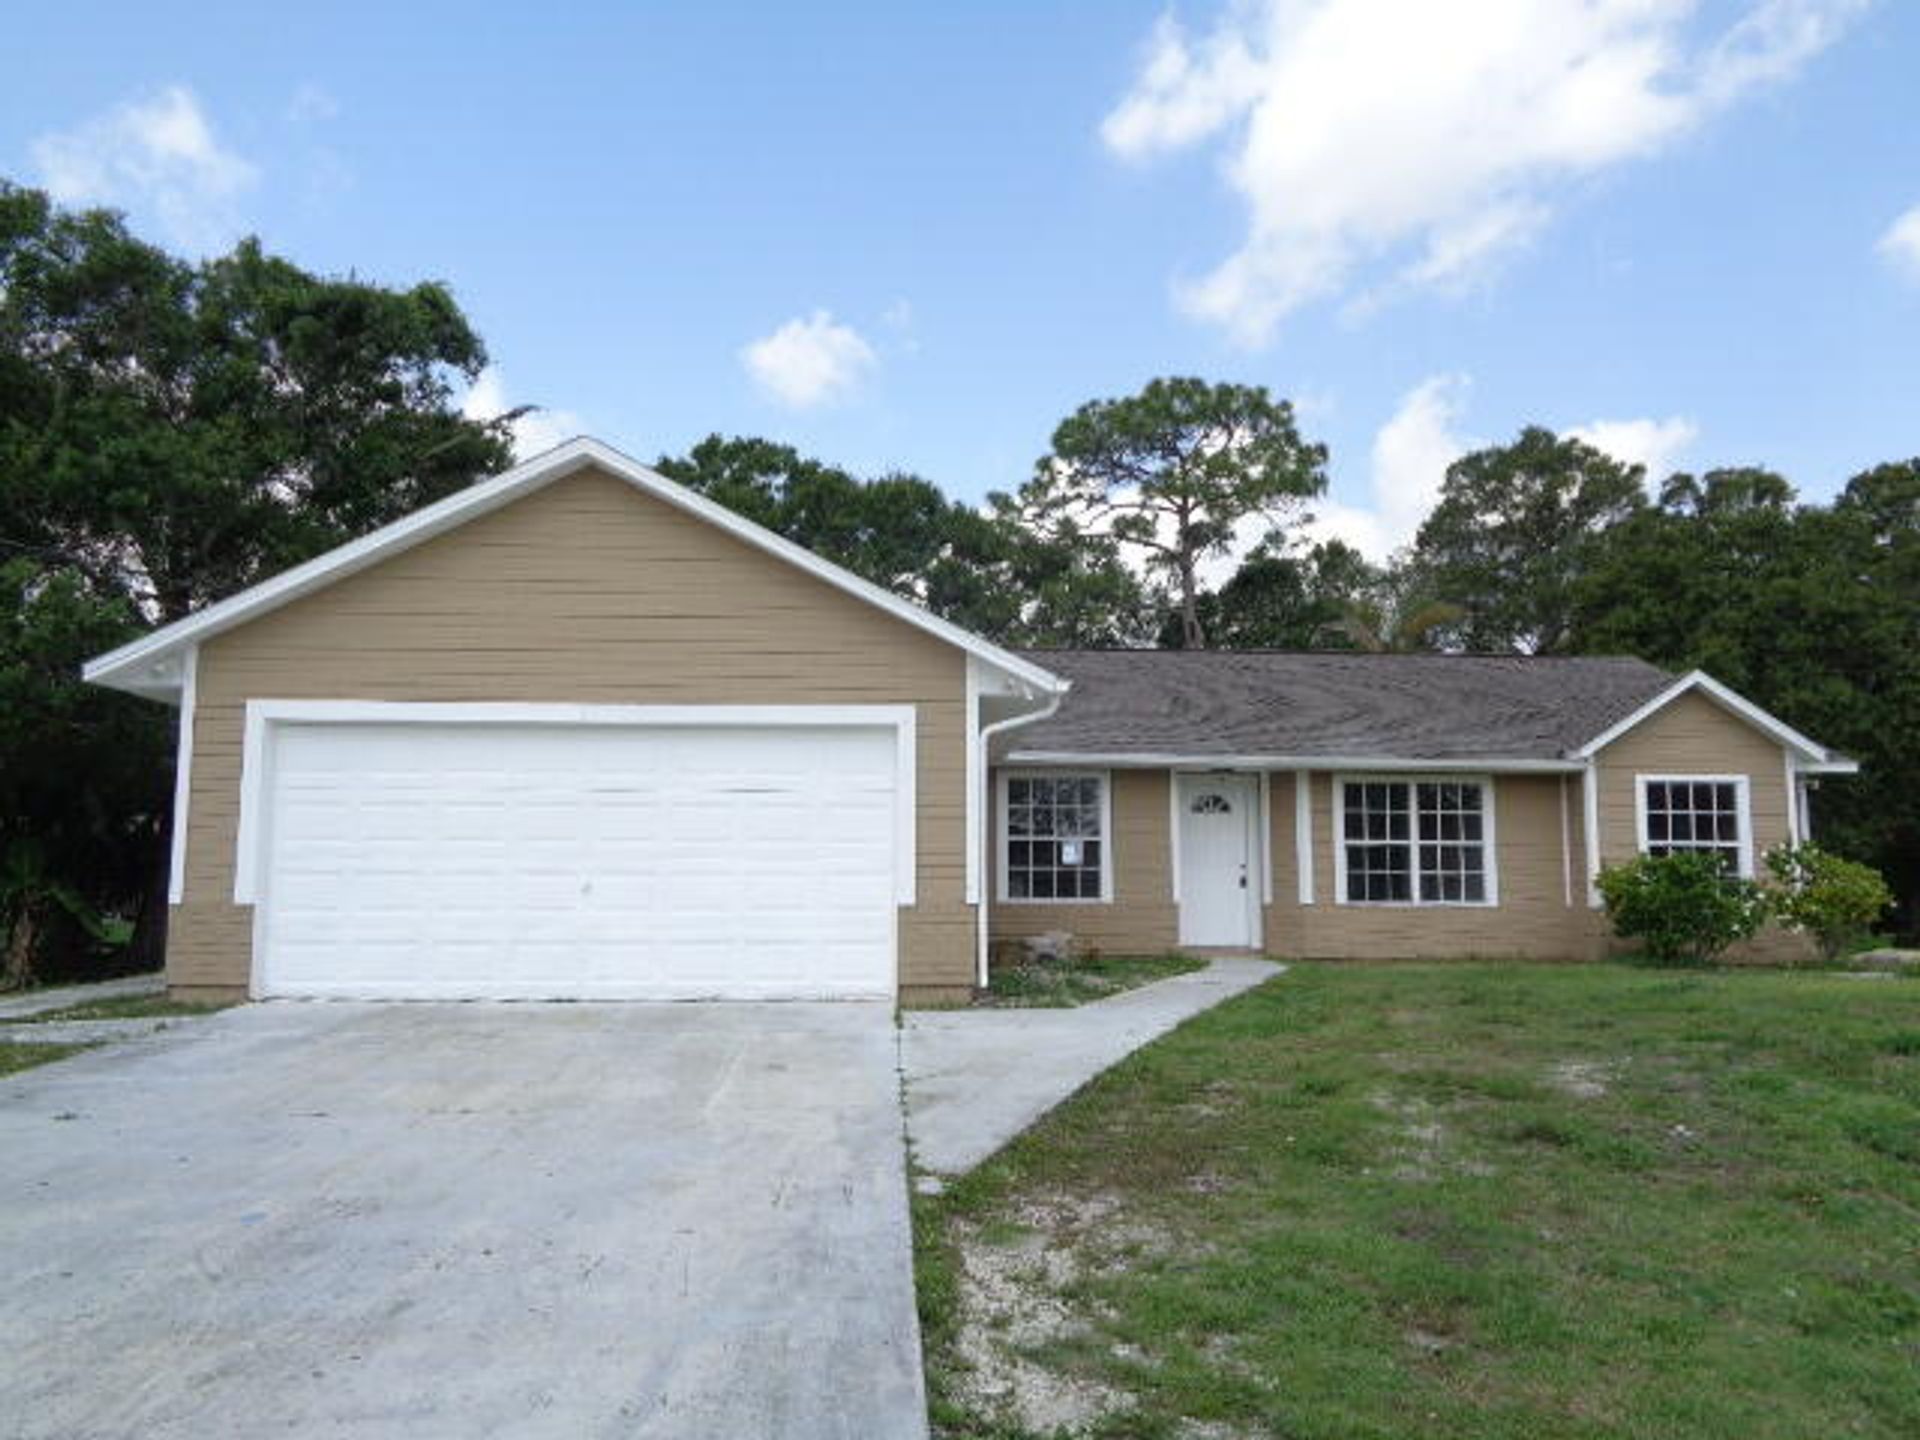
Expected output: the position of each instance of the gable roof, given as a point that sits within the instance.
(1813, 755)
(1199, 705)
(154, 664)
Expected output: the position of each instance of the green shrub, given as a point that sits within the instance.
(1683, 908)
(1833, 900)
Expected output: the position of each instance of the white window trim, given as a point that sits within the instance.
(1743, 809)
(265, 716)
(1489, 839)
(1105, 777)
(1303, 833)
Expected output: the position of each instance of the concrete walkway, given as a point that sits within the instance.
(35, 1002)
(977, 1078)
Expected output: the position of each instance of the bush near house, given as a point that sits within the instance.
(1834, 900)
(1683, 907)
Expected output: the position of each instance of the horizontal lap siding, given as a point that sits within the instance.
(1141, 917)
(1531, 920)
(1693, 736)
(590, 592)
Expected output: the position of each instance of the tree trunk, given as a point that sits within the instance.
(1192, 636)
(147, 946)
(20, 944)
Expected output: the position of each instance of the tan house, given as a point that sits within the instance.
(577, 732)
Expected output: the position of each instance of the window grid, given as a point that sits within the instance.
(1054, 839)
(1690, 814)
(1415, 842)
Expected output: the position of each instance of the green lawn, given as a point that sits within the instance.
(1061, 984)
(1458, 1201)
(15, 1056)
(124, 1007)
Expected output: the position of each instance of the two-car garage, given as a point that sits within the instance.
(435, 851)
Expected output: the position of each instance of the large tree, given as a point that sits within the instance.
(1175, 472)
(1812, 610)
(1512, 532)
(171, 431)
(1287, 597)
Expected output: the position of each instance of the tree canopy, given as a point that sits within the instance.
(1174, 472)
(171, 431)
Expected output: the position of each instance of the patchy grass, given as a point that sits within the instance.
(1487, 1201)
(15, 1056)
(1062, 984)
(124, 1007)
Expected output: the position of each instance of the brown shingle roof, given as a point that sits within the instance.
(1292, 703)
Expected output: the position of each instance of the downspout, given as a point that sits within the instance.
(985, 800)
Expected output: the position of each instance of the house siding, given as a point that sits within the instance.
(1694, 736)
(1140, 917)
(587, 591)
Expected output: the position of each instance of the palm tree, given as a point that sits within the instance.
(1397, 625)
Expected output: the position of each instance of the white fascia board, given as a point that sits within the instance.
(1150, 761)
(1731, 701)
(131, 667)
(1833, 765)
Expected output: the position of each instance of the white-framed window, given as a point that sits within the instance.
(1696, 812)
(1414, 840)
(1055, 837)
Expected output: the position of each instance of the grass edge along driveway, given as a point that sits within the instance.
(1456, 1200)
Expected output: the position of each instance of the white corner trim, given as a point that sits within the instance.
(1743, 803)
(1794, 828)
(1266, 840)
(1106, 834)
(1303, 833)
(976, 791)
(183, 775)
(256, 758)
(1489, 840)
(1590, 816)
(131, 665)
(1722, 696)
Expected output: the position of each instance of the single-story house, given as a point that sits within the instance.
(578, 732)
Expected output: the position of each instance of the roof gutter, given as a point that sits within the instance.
(984, 739)
(1155, 760)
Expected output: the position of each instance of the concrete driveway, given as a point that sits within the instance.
(463, 1221)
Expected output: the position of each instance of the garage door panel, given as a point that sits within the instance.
(578, 861)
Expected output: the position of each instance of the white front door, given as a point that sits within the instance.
(1219, 891)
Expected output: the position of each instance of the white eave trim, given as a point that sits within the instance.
(1127, 760)
(1811, 752)
(140, 666)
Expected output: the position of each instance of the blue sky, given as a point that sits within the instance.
(916, 236)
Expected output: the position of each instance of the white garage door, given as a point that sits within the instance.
(532, 861)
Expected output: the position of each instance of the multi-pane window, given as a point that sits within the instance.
(1693, 814)
(1054, 837)
(1415, 841)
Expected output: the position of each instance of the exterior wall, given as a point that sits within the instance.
(1534, 856)
(1693, 736)
(1540, 837)
(591, 592)
(1140, 918)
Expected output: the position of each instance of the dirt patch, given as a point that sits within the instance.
(1012, 1302)
(1583, 1079)
(1426, 1148)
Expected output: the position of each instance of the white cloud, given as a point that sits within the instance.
(1410, 456)
(1901, 244)
(312, 105)
(1655, 444)
(158, 154)
(811, 360)
(533, 432)
(1385, 145)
